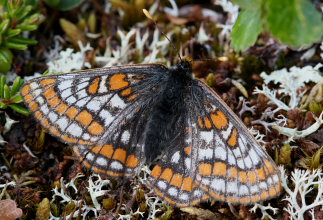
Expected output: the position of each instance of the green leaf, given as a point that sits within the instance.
(15, 86)
(2, 83)
(248, 4)
(27, 27)
(18, 108)
(17, 99)
(5, 60)
(6, 92)
(16, 46)
(64, 5)
(3, 105)
(22, 40)
(246, 29)
(13, 32)
(294, 22)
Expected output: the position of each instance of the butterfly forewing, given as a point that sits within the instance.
(84, 107)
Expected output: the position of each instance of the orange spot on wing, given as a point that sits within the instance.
(244, 200)
(232, 199)
(205, 169)
(120, 154)
(53, 102)
(45, 82)
(54, 131)
(93, 88)
(117, 81)
(278, 187)
(132, 161)
(69, 139)
(38, 115)
(270, 166)
(28, 98)
(167, 174)
(243, 176)
(155, 173)
(177, 180)
(200, 122)
(126, 92)
(45, 123)
(33, 106)
(72, 112)
(219, 119)
(232, 172)
(84, 117)
(252, 176)
(255, 198)
(61, 108)
(207, 123)
(132, 97)
(188, 150)
(217, 196)
(220, 169)
(49, 93)
(187, 184)
(25, 90)
(261, 174)
(105, 150)
(272, 191)
(264, 195)
(233, 138)
(95, 128)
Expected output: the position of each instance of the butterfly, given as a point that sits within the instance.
(118, 119)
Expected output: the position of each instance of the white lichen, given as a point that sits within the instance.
(293, 133)
(264, 210)
(289, 84)
(68, 60)
(305, 182)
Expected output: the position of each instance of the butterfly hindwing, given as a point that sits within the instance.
(224, 161)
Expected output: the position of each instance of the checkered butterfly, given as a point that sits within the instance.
(119, 118)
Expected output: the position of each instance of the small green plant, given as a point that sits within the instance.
(10, 97)
(295, 23)
(16, 16)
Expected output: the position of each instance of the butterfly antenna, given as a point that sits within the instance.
(148, 15)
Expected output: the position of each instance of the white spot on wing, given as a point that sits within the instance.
(89, 156)
(240, 163)
(116, 101)
(62, 123)
(254, 189)
(232, 187)
(102, 87)
(74, 130)
(243, 190)
(226, 133)
(205, 154)
(94, 105)
(207, 136)
(44, 109)
(161, 184)
(66, 93)
(175, 157)
(248, 162)
(173, 191)
(220, 153)
(52, 116)
(106, 116)
(116, 165)
(82, 85)
(82, 102)
(218, 184)
(71, 100)
(125, 137)
(231, 159)
(65, 84)
(183, 196)
(101, 161)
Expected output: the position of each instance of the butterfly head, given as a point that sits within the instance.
(184, 68)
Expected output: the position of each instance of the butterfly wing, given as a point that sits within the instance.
(225, 162)
(100, 111)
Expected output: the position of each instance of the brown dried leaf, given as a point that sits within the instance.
(9, 210)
